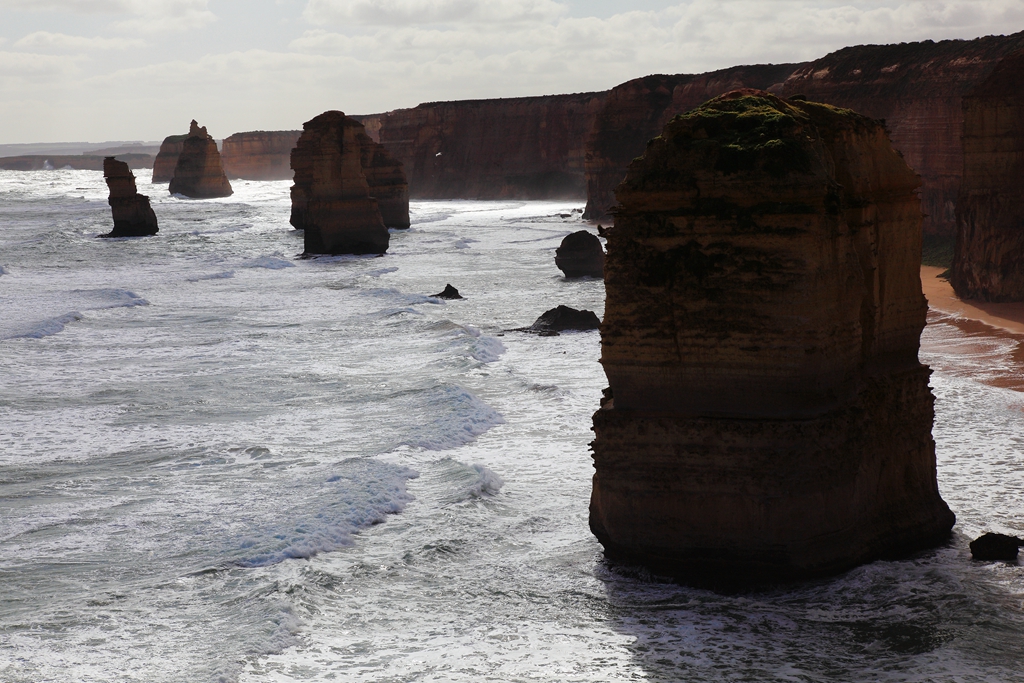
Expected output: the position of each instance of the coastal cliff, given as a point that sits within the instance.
(198, 173)
(331, 198)
(133, 216)
(259, 155)
(637, 110)
(517, 148)
(769, 418)
(385, 177)
(167, 158)
(988, 261)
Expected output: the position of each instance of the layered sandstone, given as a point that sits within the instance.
(167, 158)
(517, 148)
(769, 416)
(259, 155)
(133, 216)
(637, 110)
(917, 89)
(385, 176)
(988, 261)
(331, 198)
(199, 173)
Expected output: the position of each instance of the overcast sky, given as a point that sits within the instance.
(141, 69)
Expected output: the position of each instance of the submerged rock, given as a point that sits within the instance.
(988, 262)
(331, 198)
(580, 255)
(448, 293)
(133, 216)
(562, 319)
(770, 417)
(199, 173)
(996, 547)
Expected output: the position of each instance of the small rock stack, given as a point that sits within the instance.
(133, 216)
(580, 255)
(198, 173)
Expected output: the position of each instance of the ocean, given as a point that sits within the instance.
(220, 462)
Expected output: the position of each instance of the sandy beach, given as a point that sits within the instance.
(939, 292)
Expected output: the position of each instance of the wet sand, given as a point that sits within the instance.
(1009, 317)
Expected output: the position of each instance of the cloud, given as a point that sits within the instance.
(410, 12)
(43, 40)
(141, 16)
(19, 69)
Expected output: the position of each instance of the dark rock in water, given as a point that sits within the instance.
(996, 547)
(448, 293)
(564, 318)
(198, 172)
(133, 216)
(580, 255)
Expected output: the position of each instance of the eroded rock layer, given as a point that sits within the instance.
(199, 173)
(770, 418)
(988, 262)
(386, 179)
(133, 216)
(259, 155)
(331, 198)
(516, 148)
(167, 158)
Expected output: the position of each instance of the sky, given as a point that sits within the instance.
(95, 70)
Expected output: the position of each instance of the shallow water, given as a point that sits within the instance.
(219, 462)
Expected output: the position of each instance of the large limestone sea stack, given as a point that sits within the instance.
(769, 417)
(198, 173)
(988, 262)
(133, 216)
(339, 174)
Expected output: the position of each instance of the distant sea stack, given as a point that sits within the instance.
(199, 173)
(133, 216)
(167, 158)
(259, 155)
(331, 198)
(988, 262)
(768, 415)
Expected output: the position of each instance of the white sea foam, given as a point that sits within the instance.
(269, 262)
(223, 275)
(488, 483)
(81, 299)
(381, 271)
(459, 418)
(4, 271)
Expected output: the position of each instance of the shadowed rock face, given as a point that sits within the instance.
(259, 155)
(167, 158)
(386, 179)
(637, 110)
(331, 198)
(199, 173)
(988, 262)
(917, 89)
(515, 148)
(770, 418)
(133, 216)
(580, 254)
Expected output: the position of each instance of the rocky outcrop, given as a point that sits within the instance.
(996, 547)
(564, 319)
(637, 110)
(199, 173)
(580, 255)
(133, 216)
(988, 261)
(385, 176)
(167, 158)
(78, 162)
(259, 155)
(331, 198)
(517, 148)
(448, 292)
(917, 89)
(770, 418)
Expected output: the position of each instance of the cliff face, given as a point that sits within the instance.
(638, 110)
(385, 177)
(199, 173)
(259, 155)
(988, 262)
(331, 198)
(770, 418)
(167, 158)
(519, 148)
(133, 216)
(917, 88)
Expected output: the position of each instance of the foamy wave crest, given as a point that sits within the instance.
(401, 297)
(330, 516)
(270, 262)
(80, 300)
(381, 271)
(213, 276)
(4, 271)
(487, 482)
(464, 482)
(477, 345)
(460, 417)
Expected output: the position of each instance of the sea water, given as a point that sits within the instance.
(220, 462)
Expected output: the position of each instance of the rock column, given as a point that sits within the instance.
(769, 418)
(133, 216)
(198, 173)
